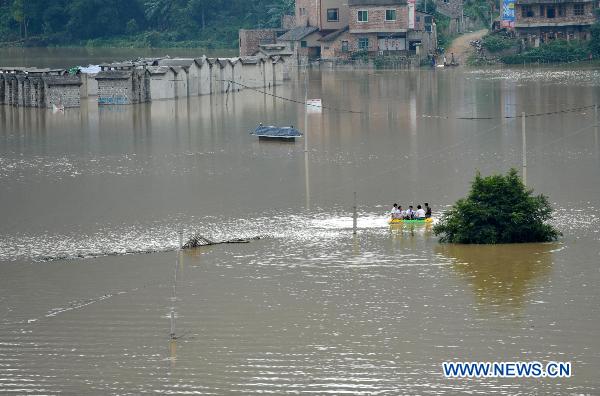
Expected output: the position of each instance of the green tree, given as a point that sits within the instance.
(498, 209)
(595, 40)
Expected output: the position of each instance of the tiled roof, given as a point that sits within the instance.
(273, 131)
(334, 35)
(297, 33)
(375, 2)
(114, 75)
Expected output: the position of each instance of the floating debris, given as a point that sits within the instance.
(199, 240)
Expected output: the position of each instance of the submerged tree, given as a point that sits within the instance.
(498, 209)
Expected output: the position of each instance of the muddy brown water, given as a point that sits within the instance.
(308, 308)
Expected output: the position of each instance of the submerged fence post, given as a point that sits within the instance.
(180, 239)
(172, 325)
(524, 133)
(354, 217)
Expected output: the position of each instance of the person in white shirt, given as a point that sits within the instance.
(410, 213)
(395, 212)
(420, 213)
(401, 213)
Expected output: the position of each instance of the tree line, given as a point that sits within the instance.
(66, 22)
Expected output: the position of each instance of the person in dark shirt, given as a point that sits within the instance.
(427, 211)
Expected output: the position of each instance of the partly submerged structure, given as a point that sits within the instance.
(277, 133)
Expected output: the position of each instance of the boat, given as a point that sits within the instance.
(264, 132)
(416, 221)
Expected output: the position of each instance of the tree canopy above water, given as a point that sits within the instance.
(74, 21)
(498, 209)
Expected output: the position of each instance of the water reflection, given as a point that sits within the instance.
(502, 276)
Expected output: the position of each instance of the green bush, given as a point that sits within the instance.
(498, 209)
(555, 51)
(595, 40)
(497, 42)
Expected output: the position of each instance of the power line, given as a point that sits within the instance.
(294, 100)
(339, 110)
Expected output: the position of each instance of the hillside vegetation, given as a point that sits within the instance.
(135, 23)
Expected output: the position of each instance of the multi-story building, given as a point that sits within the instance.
(380, 27)
(539, 21)
(327, 15)
(333, 29)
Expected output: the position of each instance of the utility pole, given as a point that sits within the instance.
(524, 134)
(354, 217)
(306, 108)
(596, 131)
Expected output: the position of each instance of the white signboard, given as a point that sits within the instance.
(314, 106)
(411, 14)
(392, 44)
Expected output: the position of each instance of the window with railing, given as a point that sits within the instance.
(345, 46)
(578, 9)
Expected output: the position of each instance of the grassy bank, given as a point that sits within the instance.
(558, 51)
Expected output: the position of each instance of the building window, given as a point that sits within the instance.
(345, 46)
(551, 12)
(418, 18)
(303, 44)
(428, 20)
(363, 43)
(302, 11)
(390, 15)
(527, 11)
(333, 15)
(561, 10)
(363, 16)
(578, 9)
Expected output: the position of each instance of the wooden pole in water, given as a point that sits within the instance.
(172, 325)
(307, 180)
(355, 217)
(180, 239)
(524, 133)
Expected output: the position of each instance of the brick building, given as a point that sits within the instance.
(251, 39)
(381, 27)
(41, 88)
(542, 21)
(453, 9)
(122, 84)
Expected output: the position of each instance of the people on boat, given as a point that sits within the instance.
(420, 213)
(395, 212)
(427, 211)
(410, 213)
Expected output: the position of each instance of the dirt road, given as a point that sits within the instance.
(461, 47)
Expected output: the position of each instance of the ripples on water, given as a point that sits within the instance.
(163, 236)
(537, 75)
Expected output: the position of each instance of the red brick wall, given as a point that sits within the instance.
(377, 22)
(310, 15)
(250, 39)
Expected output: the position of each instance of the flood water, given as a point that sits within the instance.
(92, 200)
